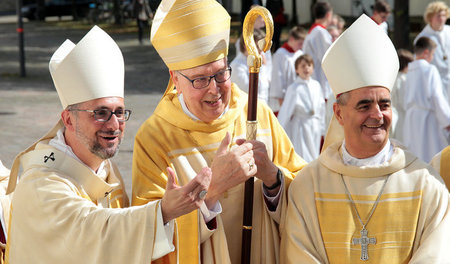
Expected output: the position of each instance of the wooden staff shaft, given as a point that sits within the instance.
(249, 184)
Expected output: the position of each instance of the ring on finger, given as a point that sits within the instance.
(250, 166)
(202, 194)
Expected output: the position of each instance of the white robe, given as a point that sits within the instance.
(302, 116)
(63, 212)
(427, 111)
(398, 108)
(411, 222)
(240, 76)
(441, 57)
(283, 74)
(316, 44)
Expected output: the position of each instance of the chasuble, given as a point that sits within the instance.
(170, 138)
(62, 212)
(410, 224)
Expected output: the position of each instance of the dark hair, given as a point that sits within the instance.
(320, 9)
(381, 6)
(422, 44)
(305, 57)
(404, 57)
(298, 32)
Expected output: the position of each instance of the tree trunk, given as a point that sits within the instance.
(401, 24)
(294, 20)
(40, 10)
(74, 11)
(117, 12)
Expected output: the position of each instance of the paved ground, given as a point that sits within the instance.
(29, 106)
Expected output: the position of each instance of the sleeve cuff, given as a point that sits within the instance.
(163, 236)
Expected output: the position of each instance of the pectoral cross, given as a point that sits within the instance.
(364, 241)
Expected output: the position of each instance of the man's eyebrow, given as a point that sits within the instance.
(385, 100)
(364, 101)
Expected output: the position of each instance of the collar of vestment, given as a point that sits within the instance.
(288, 48)
(169, 109)
(50, 157)
(384, 155)
(314, 26)
(59, 143)
(332, 159)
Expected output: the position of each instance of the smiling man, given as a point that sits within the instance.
(67, 207)
(201, 121)
(365, 198)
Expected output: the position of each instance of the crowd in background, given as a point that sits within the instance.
(292, 81)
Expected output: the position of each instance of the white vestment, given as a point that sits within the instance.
(427, 111)
(410, 224)
(316, 44)
(64, 212)
(398, 108)
(283, 74)
(441, 58)
(240, 74)
(302, 116)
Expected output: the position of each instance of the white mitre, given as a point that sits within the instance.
(362, 56)
(94, 68)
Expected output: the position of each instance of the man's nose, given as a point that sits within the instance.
(213, 88)
(376, 113)
(113, 123)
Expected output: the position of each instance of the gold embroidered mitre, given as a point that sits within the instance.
(190, 33)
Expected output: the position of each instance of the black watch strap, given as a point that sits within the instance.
(278, 183)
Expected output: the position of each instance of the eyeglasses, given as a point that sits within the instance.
(104, 115)
(203, 82)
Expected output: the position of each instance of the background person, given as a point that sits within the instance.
(426, 127)
(302, 114)
(435, 17)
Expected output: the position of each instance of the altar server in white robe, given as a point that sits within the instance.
(302, 113)
(381, 12)
(427, 120)
(365, 199)
(318, 41)
(240, 69)
(398, 94)
(435, 17)
(67, 207)
(283, 66)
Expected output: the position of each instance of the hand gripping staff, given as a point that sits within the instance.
(254, 64)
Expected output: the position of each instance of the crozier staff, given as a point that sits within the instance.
(254, 62)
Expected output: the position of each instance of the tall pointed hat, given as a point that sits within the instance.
(92, 69)
(362, 56)
(190, 33)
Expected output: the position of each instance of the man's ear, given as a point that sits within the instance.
(337, 109)
(175, 80)
(67, 119)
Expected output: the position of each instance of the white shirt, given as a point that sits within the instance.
(381, 157)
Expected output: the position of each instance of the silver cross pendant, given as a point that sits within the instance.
(364, 241)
